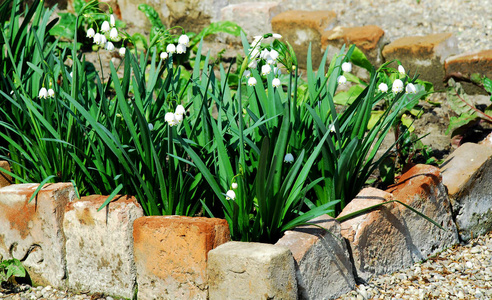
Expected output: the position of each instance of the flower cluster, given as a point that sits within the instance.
(108, 34)
(266, 57)
(180, 48)
(175, 118)
(44, 93)
(398, 85)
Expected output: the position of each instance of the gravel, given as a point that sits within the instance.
(462, 272)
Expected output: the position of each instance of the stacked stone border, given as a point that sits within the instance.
(67, 242)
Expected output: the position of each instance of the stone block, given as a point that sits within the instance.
(100, 245)
(239, 270)
(422, 188)
(301, 28)
(467, 64)
(323, 264)
(467, 175)
(32, 231)
(369, 39)
(242, 14)
(5, 179)
(424, 55)
(171, 255)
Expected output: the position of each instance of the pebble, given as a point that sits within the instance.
(434, 278)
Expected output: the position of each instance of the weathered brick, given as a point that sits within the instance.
(424, 55)
(467, 176)
(239, 270)
(467, 64)
(32, 232)
(242, 14)
(323, 264)
(5, 179)
(100, 245)
(369, 39)
(171, 255)
(422, 188)
(300, 28)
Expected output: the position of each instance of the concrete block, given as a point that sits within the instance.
(100, 245)
(32, 232)
(171, 255)
(424, 55)
(323, 266)
(467, 175)
(239, 270)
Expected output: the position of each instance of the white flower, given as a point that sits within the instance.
(397, 86)
(276, 71)
(265, 69)
(112, 21)
(109, 46)
(270, 61)
(234, 185)
(51, 93)
(171, 48)
(170, 119)
(151, 126)
(122, 51)
(276, 82)
(43, 93)
(102, 40)
(274, 54)
(178, 118)
(289, 158)
(113, 34)
(410, 89)
(332, 127)
(347, 67)
(276, 36)
(164, 55)
(247, 73)
(230, 195)
(252, 81)
(90, 33)
(105, 27)
(253, 64)
(383, 87)
(184, 39)
(265, 54)
(401, 69)
(342, 80)
(97, 38)
(180, 49)
(180, 110)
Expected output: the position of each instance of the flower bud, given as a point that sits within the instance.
(112, 21)
(122, 51)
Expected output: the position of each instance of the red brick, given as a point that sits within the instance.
(369, 39)
(171, 255)
(300, 28)
(424, 55)
(469, 63)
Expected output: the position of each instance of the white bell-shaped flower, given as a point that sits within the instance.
(265, 69)
(342, 80)
(170, 119)
(397, 86)
(252, 81)
(234, 185)
(289, 158)
(112, 20)
(122, 51)
(51, 93)
(184, 39)
(90, 33)
(171, 48)
(105, 27)
(164, 55)
(383, 87)
(109, 46)
(230, 195)
(43, 93)
(180, 110)
(180, 49)
(401, 69)
(347, 67)
(410, 89)
(276, 36)
(276, 82)
(113, 34)
(247, 73)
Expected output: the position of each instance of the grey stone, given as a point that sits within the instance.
(32, 232)
(467, 175)
(239, 270)
(100, 245)
(323, 266)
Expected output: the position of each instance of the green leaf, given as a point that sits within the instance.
(358, 58)
(348, 97)
(15, 268)
(487, 84)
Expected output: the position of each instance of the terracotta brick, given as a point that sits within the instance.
(424, 55)
(33, 231)
(469, 63)
(100, 245)
(5, 179)
(300, 28)
(171, 255)
(467, 176)
(369, 39)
